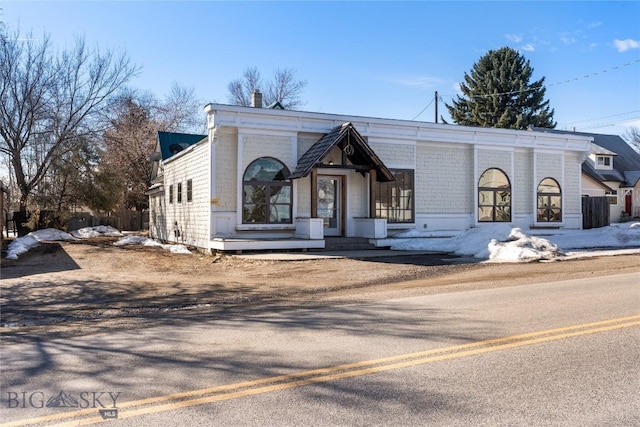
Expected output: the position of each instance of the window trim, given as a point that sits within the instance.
(398, 197)
(495, 191)
(189, 190)
(612, 196)
(547, 196)
(607, 162)
(267, 200)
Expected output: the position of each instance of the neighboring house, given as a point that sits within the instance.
(613, 170)
(275, 179)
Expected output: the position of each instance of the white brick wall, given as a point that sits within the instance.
(190, 218)
(444, 179)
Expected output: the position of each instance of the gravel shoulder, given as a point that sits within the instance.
(71, 288)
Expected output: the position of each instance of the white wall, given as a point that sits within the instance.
(190, 219)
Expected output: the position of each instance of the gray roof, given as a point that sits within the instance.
(362, 154)
(626, 164)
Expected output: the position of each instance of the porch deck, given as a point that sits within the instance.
(239, 245)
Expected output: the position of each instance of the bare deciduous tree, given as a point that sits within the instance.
(131, 137)
(284, 88)
(51, 101)
(632, 136)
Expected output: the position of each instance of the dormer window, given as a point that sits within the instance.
(604, 162)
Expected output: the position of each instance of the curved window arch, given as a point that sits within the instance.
(549, 201)
(494, 196)
(266, 192)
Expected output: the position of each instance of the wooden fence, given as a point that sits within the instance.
(124, 221)
(595, 212)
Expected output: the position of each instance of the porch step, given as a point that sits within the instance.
(347, 244)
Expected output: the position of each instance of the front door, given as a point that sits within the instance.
(329, 204)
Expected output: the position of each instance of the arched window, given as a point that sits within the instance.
(494, 197)
(266, 193)
(549, 201)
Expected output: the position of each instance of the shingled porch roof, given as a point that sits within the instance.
(342, 135)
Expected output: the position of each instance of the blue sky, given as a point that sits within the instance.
(381, 59)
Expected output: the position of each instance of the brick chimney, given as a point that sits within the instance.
(256, 99)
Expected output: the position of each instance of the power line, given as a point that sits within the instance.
(613, 123)
(606, 117)
(606, 70)
(423, 110)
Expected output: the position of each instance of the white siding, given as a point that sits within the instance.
(188, 222)
(522, 183)
(443, 179)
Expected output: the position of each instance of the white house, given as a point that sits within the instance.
(272, 179)
(612, 169)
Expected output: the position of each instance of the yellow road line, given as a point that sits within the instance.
(298, 379)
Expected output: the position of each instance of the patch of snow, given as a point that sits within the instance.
(51, 235)
(144, 241)
(98, 231)
(501, 243)
(21, 245)
(131, 240)
(522, 248)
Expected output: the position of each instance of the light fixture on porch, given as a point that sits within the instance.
(330, 162)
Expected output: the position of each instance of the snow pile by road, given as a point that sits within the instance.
(23, 244)
(501, 243)
(144, 241)
(98, 231)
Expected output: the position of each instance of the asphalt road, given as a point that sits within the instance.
(563, 353)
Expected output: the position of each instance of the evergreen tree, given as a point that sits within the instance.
(497, 93)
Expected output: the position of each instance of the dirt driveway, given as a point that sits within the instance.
(76, 287)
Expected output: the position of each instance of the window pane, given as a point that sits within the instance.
(279, 213)
(503, 198)
(493, 178)
(485, 198)
(542, 201)
(485, 214)
(254, 213)
(280, 194)
(266, 169)
(549, 185)
(503, 214)
(555, 201)
(542, 215)
(254, 194)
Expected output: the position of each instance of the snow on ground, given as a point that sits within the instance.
(138, 240)
(501, 243)
(22, 245)
(98, 231)
(494, 242)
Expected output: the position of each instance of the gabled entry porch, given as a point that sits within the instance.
(332, 163)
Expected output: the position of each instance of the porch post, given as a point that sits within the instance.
(314, 193)
(372, 187)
